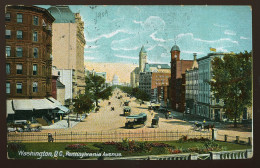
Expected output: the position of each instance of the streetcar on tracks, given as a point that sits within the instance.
(127, 110)
(136, 121)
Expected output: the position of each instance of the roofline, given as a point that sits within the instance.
(32, 8)
(210, 55)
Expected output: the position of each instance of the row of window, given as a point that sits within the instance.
(19, 35)
(19, 18)
(19, 51)
(19, 69)
(19, 87)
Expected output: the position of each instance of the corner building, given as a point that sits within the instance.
(28, 52)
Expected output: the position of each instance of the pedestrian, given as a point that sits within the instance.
(111, 108)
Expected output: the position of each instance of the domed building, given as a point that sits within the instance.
(115, 80)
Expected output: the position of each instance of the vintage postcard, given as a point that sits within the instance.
(129, 82)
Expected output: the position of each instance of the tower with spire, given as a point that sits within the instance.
(142, 59)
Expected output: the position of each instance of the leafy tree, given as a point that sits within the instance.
(136, 92)
(96, 89)
(83, 104)
(232, 82)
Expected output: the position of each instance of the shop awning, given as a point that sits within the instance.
(58, 104)
(32, 104)
(9, 107)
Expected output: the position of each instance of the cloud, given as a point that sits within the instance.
(87, 51)
(152, 23)
(137, 22)
(92, 46)
(151, 47)
(125, 49)
(178, 37)
(230, 32)
(218, 25)
(156, 39)
(165, 55)
(109, 35)
(243, 38)
(221, 49)
(127, 57)
(191, 52)
(90, 58)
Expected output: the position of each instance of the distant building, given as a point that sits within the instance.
(154, 75)
(177, 81)
(115, 80)
(191, 87)
(68, 46)
(134, 81)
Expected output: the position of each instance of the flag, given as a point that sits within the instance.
(213, 49)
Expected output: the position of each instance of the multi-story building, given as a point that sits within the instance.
(177, 81)
(154, 75)
(68, 45)
(191, 87)
(29, 63)
(28, 52)
(208, 106)
(134, 81)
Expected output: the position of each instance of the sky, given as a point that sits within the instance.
(116, 33)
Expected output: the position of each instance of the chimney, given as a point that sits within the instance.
(195, 56)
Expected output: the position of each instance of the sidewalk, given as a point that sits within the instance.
(63, 124)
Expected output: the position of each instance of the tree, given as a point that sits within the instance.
(83, 104)
(232, 82)
(96, 88)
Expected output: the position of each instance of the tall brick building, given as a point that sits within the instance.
(177, 81)
(28, 52)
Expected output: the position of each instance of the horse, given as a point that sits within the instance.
(208, 127)
(197, 126)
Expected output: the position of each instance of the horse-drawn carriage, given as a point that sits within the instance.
(199, 126)
(155, 122)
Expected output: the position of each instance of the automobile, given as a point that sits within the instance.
(136, 121)
(24, 126)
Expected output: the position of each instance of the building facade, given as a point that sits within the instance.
(28, 52)
(134, 81)
(191, 87)
(208, 106)
(29, 64)
(177, 80)
(154, 75)
(68, 45)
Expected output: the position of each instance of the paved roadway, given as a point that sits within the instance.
(106, 120)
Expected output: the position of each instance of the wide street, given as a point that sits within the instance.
(106, 120)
